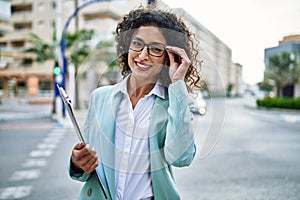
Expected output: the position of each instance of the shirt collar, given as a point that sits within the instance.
(158, 89)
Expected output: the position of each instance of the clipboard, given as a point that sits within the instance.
(67, 101)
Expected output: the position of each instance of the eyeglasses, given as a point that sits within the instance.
(155, 49)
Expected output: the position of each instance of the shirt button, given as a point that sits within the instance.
(89, 192)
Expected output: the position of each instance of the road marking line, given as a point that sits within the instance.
(25, 175)
(51, 140)
(39, 153)
(57, 133)
(58, 130)
(290, 118)
(44, 149)
(17, 192)
(46, 146)
(34, 163)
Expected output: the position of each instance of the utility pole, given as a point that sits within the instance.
(76, 102)
(57, 77)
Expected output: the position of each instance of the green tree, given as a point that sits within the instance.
(77, 51)
(42, 50)
(265, 86)
(283, 70)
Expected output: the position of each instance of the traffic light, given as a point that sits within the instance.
(56, 69)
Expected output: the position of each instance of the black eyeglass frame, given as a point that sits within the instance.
(163, 47)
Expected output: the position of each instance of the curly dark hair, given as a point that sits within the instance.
(173, 29)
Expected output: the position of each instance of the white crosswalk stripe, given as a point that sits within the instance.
(31, 168)
(39, 153)
(34, 163)
(17, 192)
(25, 175)
(46, 146)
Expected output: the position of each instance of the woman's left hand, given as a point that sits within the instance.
(178, 70)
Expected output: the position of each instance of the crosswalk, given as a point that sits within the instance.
(32, 167)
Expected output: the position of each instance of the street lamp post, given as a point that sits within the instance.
(63, 44)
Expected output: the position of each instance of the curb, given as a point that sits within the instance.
(61, 122)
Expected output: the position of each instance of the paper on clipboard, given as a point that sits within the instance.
(67, 102)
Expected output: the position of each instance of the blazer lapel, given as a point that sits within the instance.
(108, 140)
(158, 123)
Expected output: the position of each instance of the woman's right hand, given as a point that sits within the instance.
(84, 158)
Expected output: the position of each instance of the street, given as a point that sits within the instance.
(254, 156)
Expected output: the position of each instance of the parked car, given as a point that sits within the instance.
(199, 104)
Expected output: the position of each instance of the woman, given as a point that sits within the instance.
(137, 129)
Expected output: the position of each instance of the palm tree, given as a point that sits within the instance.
(283, 70)
(78, 49)
(42, 50)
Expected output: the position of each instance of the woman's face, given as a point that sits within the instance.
(147, 54)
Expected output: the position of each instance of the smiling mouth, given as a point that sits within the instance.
(143, 67)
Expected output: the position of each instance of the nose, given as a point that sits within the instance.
(144, 53)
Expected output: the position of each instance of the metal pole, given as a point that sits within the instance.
(58, 25)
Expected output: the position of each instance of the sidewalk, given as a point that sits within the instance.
(66, 122)
(18, 109)
(285, 115)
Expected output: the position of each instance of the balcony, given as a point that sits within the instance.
(23, 27)
(102, 11)
(20, 2)
(5, 27)
(22, 16)
(21, 8)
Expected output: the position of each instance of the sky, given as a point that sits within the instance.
(247, 27)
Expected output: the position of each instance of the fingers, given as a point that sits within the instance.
(84, 157)
(79, 146)
(178, 70)
(180, 52)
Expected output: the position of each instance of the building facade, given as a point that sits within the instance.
(290, 44)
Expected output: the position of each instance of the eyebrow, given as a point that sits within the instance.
(159, 43)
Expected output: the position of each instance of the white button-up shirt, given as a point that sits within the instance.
(132, 156)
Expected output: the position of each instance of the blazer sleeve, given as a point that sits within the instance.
(180, 148)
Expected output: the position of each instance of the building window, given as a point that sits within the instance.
(27, 62)
(23, 26)
(1, 86)
(41, 24)
(52, 24)
(18, 43)
(53, 4)
(3, 45)
(21, 8)
(45, 85)
(41, 6)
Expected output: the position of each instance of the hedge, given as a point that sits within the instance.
(288, 103)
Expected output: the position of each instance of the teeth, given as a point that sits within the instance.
(143, 66)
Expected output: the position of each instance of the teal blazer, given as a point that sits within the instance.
(170, 134)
